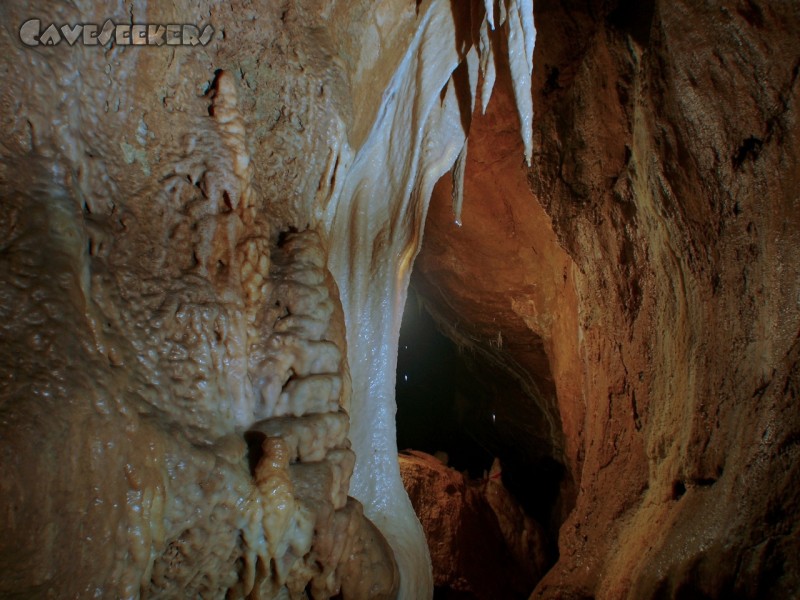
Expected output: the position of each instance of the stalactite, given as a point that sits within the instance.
(378, 224)
(458, 182)
(488, 70)
(521, 38)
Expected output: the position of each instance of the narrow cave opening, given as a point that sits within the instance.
(439, 402)
(465, 411)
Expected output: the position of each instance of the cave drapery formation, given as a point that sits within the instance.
(205, 252)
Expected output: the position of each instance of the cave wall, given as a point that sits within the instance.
(670, 175)
(660, 220)
(502, 287)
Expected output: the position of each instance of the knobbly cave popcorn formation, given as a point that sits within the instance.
(205, 253)
(194, 234)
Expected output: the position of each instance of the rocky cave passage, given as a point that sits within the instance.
(205, 252)
(477, 461)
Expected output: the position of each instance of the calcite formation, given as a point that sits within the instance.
(204, 257)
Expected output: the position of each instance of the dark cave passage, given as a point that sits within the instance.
(439, 401)
(466, 411)
(451, 400)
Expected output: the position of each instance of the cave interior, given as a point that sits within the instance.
(400, 300)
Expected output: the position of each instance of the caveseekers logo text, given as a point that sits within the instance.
(88, 34)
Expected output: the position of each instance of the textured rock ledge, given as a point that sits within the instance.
(481, 542)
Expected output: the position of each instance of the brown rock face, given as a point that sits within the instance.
(648, 278)
(482, 545)
(502, 285)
